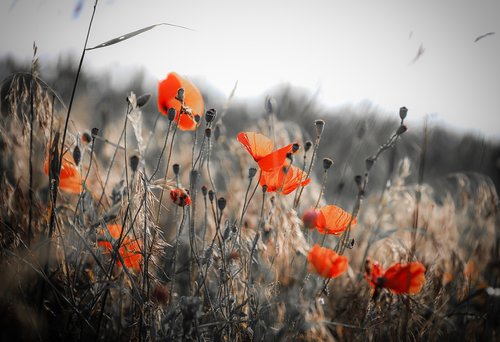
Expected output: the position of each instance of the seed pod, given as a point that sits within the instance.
(211, 195)
(210, 115)
(221, 203)
(327, 163)
(308, 145)
(208, 132)
(77, 155)
(94, 131)
(197, 118)
(86, 137)
(204, 190)
(358, 179)
(401, 129)
(320, 125)
(134, 162)
(270, 105)
(176, 168)
(403, 111)
(252, 172)
(369, 163)
(289, 156)
(171, 114)
(295, 147)
(142, 100)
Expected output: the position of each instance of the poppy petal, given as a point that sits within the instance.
(409, 278)
(275, 159)
(333, 220)
(258, 145)
(326, 262)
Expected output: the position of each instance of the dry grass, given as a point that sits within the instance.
(205, 276)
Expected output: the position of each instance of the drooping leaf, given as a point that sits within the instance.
(133, 34)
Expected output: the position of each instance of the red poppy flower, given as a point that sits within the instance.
(261, 149)
(130, 249)
(193, 101)
(279, 181)
(326, 262)
(399, 278)
(333, 220)
(180, 197)
(70, 179)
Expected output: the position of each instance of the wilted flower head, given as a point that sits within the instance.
(180, 197)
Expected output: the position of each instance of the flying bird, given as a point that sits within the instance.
(419, 54)
(483, 36)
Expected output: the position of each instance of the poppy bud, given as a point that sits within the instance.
(270, 104)
(143, 99)
(180, 95)
(86, 138)
(197, 118)
(308, 145)
(171, 114)
(320, 125)
(295, 147)
(369, 163)
(204, 190)
(210, 115)
(77, 155)
(327, 163)
(211, 195)
(176, 168)
(94, 131)
(289, 156)
(264, 188)
(208, 132)
(401, 129)
(252, 172)
(134, 162)
(403, 111)
(309, 218)
(221, 203)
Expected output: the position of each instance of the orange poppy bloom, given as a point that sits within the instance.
(261, 149)
(278, 181)
(193, 101)
(333, 220)
(399, 278)
(180, 197)
(130, 249)
(326, 262)
(70, 179)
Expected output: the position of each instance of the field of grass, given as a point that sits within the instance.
(117, 223)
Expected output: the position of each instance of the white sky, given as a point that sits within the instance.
(350, 50)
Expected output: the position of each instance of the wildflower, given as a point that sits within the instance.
(180, 197)
(333, 220)
(130, 249)
(192, 105)
(261, 149)
(326, 262)
(284, 179)
(399, 278)
(70, 179)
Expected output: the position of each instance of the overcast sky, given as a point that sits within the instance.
(349, 51)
